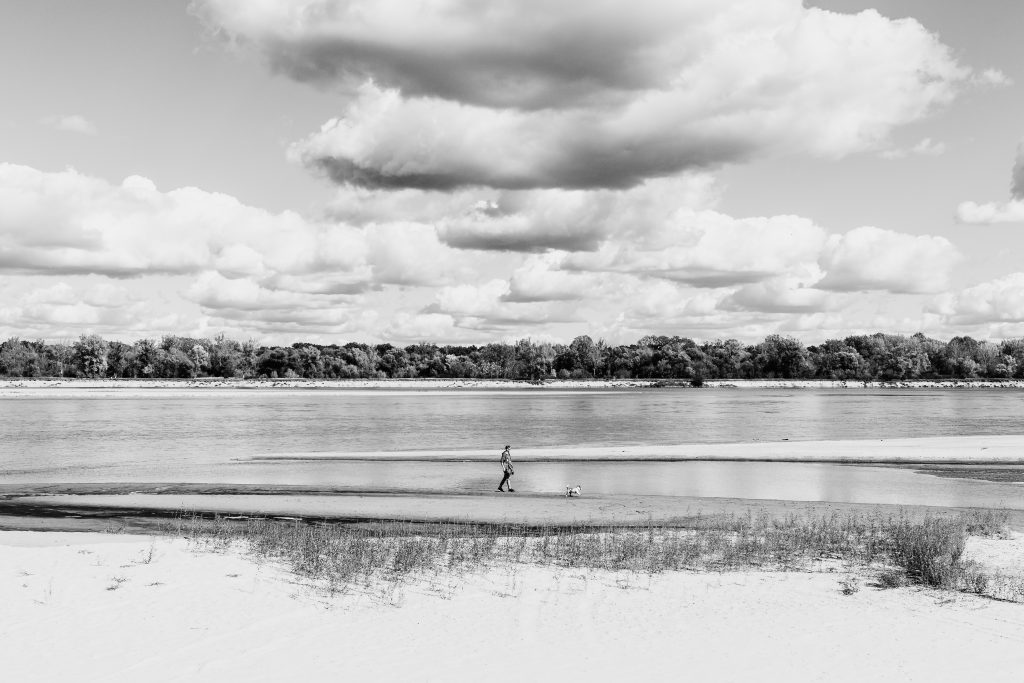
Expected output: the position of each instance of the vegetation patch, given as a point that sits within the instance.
(927, 552)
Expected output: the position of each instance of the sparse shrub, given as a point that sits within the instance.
(893, 578)
(930, 551)
(974, 578)
(987, 523)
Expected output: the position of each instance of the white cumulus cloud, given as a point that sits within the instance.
(71, 123)
(995, 301)
(999, 212)
(869, 258)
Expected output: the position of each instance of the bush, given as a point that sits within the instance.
(974, 579)
(892, 578)
(987, 523)
(930, 552)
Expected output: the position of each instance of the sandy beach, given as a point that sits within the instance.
(107, 607)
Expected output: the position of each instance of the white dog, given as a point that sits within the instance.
(571, 491)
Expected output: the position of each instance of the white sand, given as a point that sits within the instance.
(184, 616)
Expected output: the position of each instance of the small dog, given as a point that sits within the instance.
(571, 491)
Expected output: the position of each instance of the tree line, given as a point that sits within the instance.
(859, 357)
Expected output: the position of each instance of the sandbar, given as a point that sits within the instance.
(975, 450)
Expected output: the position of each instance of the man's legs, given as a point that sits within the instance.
(503, 480)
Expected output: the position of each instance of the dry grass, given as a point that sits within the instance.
(928, 552)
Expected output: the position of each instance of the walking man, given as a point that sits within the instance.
(506, 466)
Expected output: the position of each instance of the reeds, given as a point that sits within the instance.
(927, 551)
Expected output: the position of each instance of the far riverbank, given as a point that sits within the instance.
(15, 386)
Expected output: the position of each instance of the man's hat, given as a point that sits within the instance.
(507, 446)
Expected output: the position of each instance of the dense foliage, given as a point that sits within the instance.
(861, 357)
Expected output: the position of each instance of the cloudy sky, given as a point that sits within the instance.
(459, 171)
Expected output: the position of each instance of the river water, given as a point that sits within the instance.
(209, 435)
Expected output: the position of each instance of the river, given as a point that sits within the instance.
(209, 435)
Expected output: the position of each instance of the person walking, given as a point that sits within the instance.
(506, 466)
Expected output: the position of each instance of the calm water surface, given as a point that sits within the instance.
(208, 434)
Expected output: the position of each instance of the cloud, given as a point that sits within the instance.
(672, 302)
(710, 249)
(996, 301)
(783, 294)
(530, 54)
(417, 327)
(213, 291)
(67, 222)
(487, 307)
(72, 123)
(589, 95)
(869, 258)
(993, 77)
(70, 223)
(1017, 175)
(40, 307)
(991, 213)
(996, 212)
(926, 147)
(569, 220)
(408, 254)
(541, 279)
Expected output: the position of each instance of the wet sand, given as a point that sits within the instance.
(99, 508)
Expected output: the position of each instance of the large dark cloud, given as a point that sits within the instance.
(604, 94)
(531, 54)
(394, 144)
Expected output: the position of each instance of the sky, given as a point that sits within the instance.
(453, 171)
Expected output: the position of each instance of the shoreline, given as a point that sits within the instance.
(12, 386)
(96, 510)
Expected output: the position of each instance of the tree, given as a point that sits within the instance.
(309, 362)
(20, 359)
(727, 358)
(225, 357)
(836, 359)
(586, 354)
(59, 356)
(200, 358)
(90, 355)
(144, 358)
(274, 363)
(783, 357)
